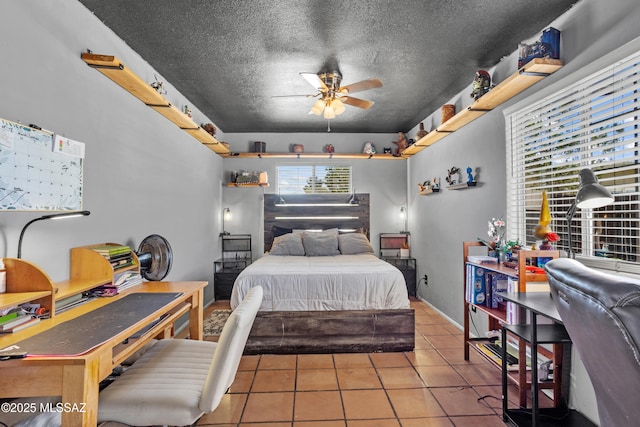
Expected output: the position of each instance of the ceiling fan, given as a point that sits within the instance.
(332, 96)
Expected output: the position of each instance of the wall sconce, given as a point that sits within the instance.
(590, 195)
(226, 216)
(50, 216)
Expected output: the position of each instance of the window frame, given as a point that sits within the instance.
(313, 175)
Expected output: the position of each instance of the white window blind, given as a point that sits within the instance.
(594, 123)
(313, 179)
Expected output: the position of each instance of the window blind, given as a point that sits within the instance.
(313, 179)
(593, 123)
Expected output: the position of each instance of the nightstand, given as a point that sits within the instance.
(390, 251)
(236, 256)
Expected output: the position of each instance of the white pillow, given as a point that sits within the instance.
(353, 244)
(287, 244)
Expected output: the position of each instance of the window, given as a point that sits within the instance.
(594, 123)
(313, 179)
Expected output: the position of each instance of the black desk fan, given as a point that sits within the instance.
(155, 257)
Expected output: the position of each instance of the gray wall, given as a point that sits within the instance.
(441, 222)
(383, 179)
(142, 175)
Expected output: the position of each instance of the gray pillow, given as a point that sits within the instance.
(354, 243)
(320, 244)
(287, 244)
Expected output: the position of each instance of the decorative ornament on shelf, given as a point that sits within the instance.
(496, 230)
(421, 133)
(187, 111)
(401, 143)
(329, 148)
(369, 148)
(543, 231)
(481, 84)
(209, 128)
(429, 187)
(451, 179)
(404, 250)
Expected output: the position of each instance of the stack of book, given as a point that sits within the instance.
(16, 321)
(118, 256)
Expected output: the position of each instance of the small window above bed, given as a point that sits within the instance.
(313, 179)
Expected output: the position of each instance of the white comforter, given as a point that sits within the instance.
(341, 282)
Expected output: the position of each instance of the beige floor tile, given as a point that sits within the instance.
(440, 376)
(429, 357)
(460, 401)
(421, 343)
(446, 341)
(427, 422)
(415, 403)
(358, 378)
(318, 406)
(478, 421)
(393, 378)
(268, 407)
(278, 361)
(352, 360)
(455, 356)
(480, 374)
(433, 329)
(274, 380)
(373, 423)
(263, 425)
(389, 360)
(316, 379)
(228, 411)
(315, 361)
(249, 363)
(366, 405)
(242, 382)
(315, 424)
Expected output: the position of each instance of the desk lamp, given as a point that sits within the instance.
(50, 216)
(590, 195)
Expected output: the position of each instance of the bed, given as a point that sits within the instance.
(319, 298)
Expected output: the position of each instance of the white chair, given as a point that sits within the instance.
(177, 380)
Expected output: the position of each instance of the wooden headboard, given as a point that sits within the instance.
(314, 211)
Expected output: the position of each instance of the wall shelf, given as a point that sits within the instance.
(234, 184)
(462, 185)
(313, 156)
(534, 71)
(111, 67)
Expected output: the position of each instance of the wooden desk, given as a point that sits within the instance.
(76, 378)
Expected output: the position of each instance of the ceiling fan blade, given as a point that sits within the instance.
(314, 81)
(363, 85)
(294, 96)
(357, 102)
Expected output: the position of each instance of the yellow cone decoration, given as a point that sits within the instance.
(541, 230)
(545, 215)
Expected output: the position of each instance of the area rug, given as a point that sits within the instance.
(213, 324)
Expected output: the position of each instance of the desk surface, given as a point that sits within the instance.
(537, 302)
(76, 378)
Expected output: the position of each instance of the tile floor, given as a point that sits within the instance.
(431, 386)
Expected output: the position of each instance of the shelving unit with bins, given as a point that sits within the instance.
(497, 318)
(236, 256)
(89, 270)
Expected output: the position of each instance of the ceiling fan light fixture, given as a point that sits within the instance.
(337, 106)
(328, 111)
(317, 108)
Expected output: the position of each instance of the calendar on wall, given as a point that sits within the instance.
(39, 171)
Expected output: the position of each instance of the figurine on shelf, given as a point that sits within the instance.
(450, 178)
(209, 128)
(401, 143)
(386, 150)
(435, 184)
(187, 111)
(481, 84)
(329, 148)
(470, 177)
(421, 133)
(369, 148)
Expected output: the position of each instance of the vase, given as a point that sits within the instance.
(546, 246)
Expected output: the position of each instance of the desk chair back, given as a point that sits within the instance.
(601, 312)
(229, 350)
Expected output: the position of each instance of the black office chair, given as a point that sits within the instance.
(601, 312)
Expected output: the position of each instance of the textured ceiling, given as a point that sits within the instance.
(231, 57)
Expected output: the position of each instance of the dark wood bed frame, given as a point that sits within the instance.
(341, 331)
